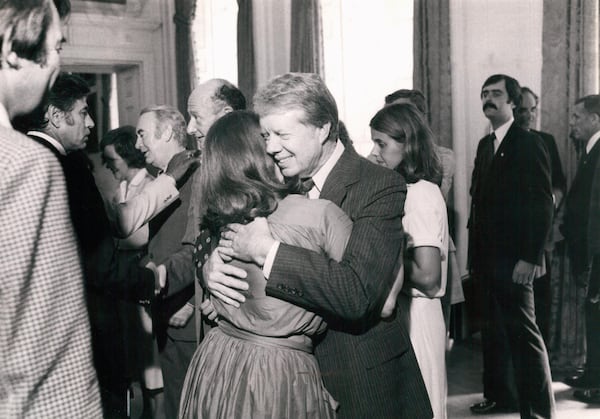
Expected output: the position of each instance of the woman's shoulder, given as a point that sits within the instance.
(423, 191)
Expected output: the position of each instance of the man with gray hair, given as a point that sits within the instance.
(368, 365)
(46, 363)
(161, 136)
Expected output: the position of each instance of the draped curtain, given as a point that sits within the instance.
(569, 71)
(306, 49)
(245, 50)
(432, 67)
(184, 58)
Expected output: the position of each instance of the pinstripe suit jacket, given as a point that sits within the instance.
(45, 357)
(368, 365)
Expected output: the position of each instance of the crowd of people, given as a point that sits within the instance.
(267, 270)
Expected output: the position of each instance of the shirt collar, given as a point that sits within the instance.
(53, 142)
(591, 142)
(139, 177)
(501, 131)
(4, 118)
(321, 175)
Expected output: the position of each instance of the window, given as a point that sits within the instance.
(367, 54)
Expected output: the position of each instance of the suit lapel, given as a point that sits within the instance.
(46, 144)
(345, 172)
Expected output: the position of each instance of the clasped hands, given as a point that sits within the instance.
(251, 243)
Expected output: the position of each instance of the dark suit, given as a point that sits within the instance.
(176, 345)
(541, 285)
(98, 255)
(368, 365)
(511, 214)
(581, 229)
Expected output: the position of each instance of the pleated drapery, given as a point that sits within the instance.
(306, 52)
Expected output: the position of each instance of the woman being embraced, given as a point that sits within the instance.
(258, 361)
(403, 142)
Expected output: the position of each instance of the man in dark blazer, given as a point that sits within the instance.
(581, 229)
(511, 213)
(526, 118)
(161, 136)
(368, 364)
(62, 124)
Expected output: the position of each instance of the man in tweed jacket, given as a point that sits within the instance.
(368, 365)
(45, 358)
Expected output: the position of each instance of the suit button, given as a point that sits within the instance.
(293, 291)
(280, 286)
(300, 294)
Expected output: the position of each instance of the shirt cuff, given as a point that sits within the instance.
(170, 178)
(270, 259)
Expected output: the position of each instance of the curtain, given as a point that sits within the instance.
(306, 37)
(569, 71)
(432, 67)
(245, 50)
(184, 58)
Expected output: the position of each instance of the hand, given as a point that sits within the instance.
(180, 163)
(250, 242)
(524, 273)
(221, 280)
(390, 303)
(208, 310)
(182, 316)
(160, 276)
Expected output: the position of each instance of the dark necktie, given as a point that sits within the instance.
(495, 142)
(306, 185)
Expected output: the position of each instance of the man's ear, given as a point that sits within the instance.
(324, 132)
(54, 115)
(167, 134)
(226, 110)
(10, 59)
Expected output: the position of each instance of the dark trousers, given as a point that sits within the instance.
(592, 336)
(175, 358)
(509, 308)
(543, 299)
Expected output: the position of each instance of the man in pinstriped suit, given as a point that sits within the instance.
(368, 364)
(46, 362)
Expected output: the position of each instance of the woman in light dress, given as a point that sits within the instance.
(403, 142)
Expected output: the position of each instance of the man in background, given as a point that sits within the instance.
(581, 229)
(46, 363)
(207, 103)
(63, 124)
(511, 214)
(526, 117)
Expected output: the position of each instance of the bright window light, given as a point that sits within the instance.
(368, 53)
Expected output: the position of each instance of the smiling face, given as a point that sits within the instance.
(386, 150)
(296, 146)
(496, 104)
(203, 111)
(74, 128)
(147, 141)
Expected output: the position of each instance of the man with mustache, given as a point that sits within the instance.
(511, 214)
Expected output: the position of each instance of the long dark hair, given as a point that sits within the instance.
(405, 124)
(238, 179)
